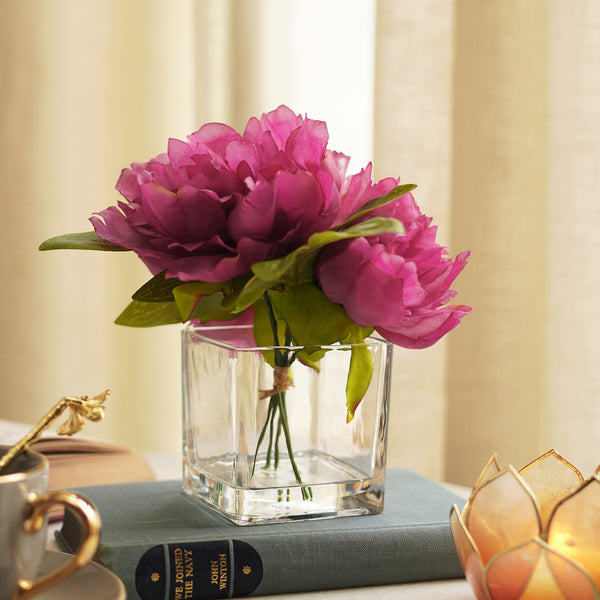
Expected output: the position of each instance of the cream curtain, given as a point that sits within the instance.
(86, 87)
(493, 108)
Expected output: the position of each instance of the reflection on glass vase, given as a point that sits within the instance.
(264, 444)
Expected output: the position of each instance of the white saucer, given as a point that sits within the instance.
(92, 582)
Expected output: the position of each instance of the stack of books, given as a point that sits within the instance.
(163, 544)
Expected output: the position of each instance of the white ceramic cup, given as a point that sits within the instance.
(24, 506)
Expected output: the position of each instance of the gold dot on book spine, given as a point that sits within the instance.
(155, 577)
(246, 570)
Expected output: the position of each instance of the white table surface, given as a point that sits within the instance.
(168, 466)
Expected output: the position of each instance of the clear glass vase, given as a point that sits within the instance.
(259, 453)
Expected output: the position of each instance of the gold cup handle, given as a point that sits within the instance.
(39, 505)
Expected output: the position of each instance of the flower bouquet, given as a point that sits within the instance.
(267, 230)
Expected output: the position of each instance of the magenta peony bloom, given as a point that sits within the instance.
(397, 283)
(219, 202)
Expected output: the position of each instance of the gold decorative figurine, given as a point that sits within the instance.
(80, 407)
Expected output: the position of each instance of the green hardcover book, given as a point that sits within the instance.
(165, 545)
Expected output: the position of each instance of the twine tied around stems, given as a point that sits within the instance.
(281, 383)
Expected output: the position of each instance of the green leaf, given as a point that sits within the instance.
(210, 308)
(311, 355)
(374, 203)
(263, 330)
(157, 289)
(359, 373)
(149, 314)
(195, 300)
(240, 300)
(296, 267)
(357, 334)
(311, 317)
(88, 240)
(359, 378)
(235, 287)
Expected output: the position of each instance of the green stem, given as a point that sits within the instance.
(277, 436)
(268, 420)
(277, 403)
(279, 358)
(271, 421)
(288, 441)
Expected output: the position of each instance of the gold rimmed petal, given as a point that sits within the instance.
(535, 571)
(574, 580)
(468, 555)
(491, 468)
(551, 478)
(574, 528)
(503, 513)
(508, 573)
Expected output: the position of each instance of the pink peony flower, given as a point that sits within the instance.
(397, 283)
(217, 203)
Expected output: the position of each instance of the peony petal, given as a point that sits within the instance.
(337, 163)
(331, 198)
(205, 175)
(211, 268)
(371, 268)
(446, 273)
(213, 138)
(574, 528)
(252, 251)
(306, 144)
(242, 152)
(356, 192)
(180, 153)
(552, 478)
(425, 327)
(468, 555)
(298, 200)
(111, 224)
(271, 158)
(533, 570)
(253, 214)
(280, 122)
(502, 513)
(337, 259)
(404, 209)
(364, 307)
(128, 185)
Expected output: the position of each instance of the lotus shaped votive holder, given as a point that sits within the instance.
(531, 534)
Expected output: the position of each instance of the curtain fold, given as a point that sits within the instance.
(497, 367)
(413, 139)
(573, 244)
(517, 121)
(88, 87)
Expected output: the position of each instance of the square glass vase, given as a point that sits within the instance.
(262, 445)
